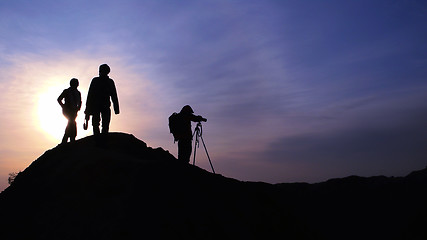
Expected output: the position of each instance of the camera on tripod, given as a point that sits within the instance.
(202, 120)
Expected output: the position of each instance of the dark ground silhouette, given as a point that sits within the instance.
(127, 190)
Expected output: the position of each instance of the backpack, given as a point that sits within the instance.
(176, 126)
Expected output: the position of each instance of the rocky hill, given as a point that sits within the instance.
(122, 189)
(363, 207)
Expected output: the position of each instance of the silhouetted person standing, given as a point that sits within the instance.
(98, 103)
(186, 136)
(73, 103)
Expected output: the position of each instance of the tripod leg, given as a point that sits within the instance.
(195, 148)
(207, 154)
(196, 140)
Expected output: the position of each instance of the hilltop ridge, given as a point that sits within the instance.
(126, 190)
(123, 189)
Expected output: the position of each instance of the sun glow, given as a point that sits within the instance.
(50, 116)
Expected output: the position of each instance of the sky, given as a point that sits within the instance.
(294, 91)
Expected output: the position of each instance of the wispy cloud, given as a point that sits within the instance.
(382, 136)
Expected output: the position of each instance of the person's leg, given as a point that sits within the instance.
(65, 137)
(73, 131)
(96, 118)
(72, 127)
(184, 150)
(68, 128)
(106, 118)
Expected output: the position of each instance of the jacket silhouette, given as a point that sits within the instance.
(71, 105)
(101, 90)
(186, 137)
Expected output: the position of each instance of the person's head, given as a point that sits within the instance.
(104, 70)
(74, 83)
(187, 109)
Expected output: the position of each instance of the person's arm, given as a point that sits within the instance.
(79, 101)
(60, 98)
(89, 101)
(197, 118)
(114, 98)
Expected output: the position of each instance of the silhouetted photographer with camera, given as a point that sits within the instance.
(180, 127)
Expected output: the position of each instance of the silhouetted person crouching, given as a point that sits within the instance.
(73, 103)
(98, 103)
(181, 129)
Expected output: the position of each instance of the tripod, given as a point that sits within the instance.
(198, 133)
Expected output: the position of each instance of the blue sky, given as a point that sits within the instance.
(293, 90)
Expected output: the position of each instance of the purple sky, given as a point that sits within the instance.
(293, 90)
